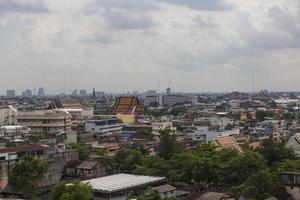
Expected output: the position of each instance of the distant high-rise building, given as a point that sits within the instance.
(100, 94)
(171, 100)
(151, 93)
(10, 93)
(82, 92)
(41, 92)
(168, 90)
(135, 93)
(94, 93)
(75, 92)
(27, 93)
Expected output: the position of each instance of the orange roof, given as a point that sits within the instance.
(127, 105)
(254, 145)
(227, 142)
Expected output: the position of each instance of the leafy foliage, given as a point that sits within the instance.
(154, 166)
(150, 195)
(289, 165)
(26, 174)
(261, 115)
(75, 190)
(262, 185)
(126, 160)
(168, 145)
(83, 151)
(276, 152)
(253, 172)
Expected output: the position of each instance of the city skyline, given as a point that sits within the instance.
(121, 45)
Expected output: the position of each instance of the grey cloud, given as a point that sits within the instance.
(99, 38)
(211, 5)
(215, 44)
(285, 21)
(127, 20)
(205, 22)
(133, 5)
(282, 31)
(124, 14)
(22, 6)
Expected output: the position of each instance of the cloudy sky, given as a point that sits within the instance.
(121, 45)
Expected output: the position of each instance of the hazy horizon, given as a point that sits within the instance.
(128, 45)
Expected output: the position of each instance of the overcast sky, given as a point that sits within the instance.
(121, 45)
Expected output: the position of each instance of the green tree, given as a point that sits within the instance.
(262, 185)
(141, 148)
(234, 168)
(101, 152)
(276, 152)
(289, 165)
(261, 115)
(168, 145)
(206, 150)
(150, 195)
(83, 151)
(126, 160)
(154, 166)
(26, 174)
(75, 190)
(177, 111)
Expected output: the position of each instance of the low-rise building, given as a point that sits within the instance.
(227, 142)
(48, 122)
(120, 186)
(8, 115)
(165, 191)
(103, 127)
(84, 170)
(175, 99)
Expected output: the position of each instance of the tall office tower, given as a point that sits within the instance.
(94, 93)
(75, 92)
(168, 90)
(151, 93)
(27, 93)
(41, 92)
(10, 93)
(82, 92)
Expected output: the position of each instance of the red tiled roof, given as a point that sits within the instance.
(23, 148)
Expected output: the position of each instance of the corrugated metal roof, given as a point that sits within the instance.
(121, 182)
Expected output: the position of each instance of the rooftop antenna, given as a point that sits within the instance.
(253, 83)
(159, 87)
(64, 79)
(43, 77)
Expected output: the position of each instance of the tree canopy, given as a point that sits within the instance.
(26, 174)
(83, 151)
(276, 152)
(75, 190)
(168, 145)
(207, 167)
(150, 195)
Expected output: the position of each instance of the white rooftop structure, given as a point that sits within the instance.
(120, 182)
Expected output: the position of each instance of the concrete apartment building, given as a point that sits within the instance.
(150, 101)
(56, 161)
(174, 99)
(8, 115)
(10, 93)
(47, 121)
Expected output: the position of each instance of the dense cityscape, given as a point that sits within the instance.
(150, 99)
(150, 145)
